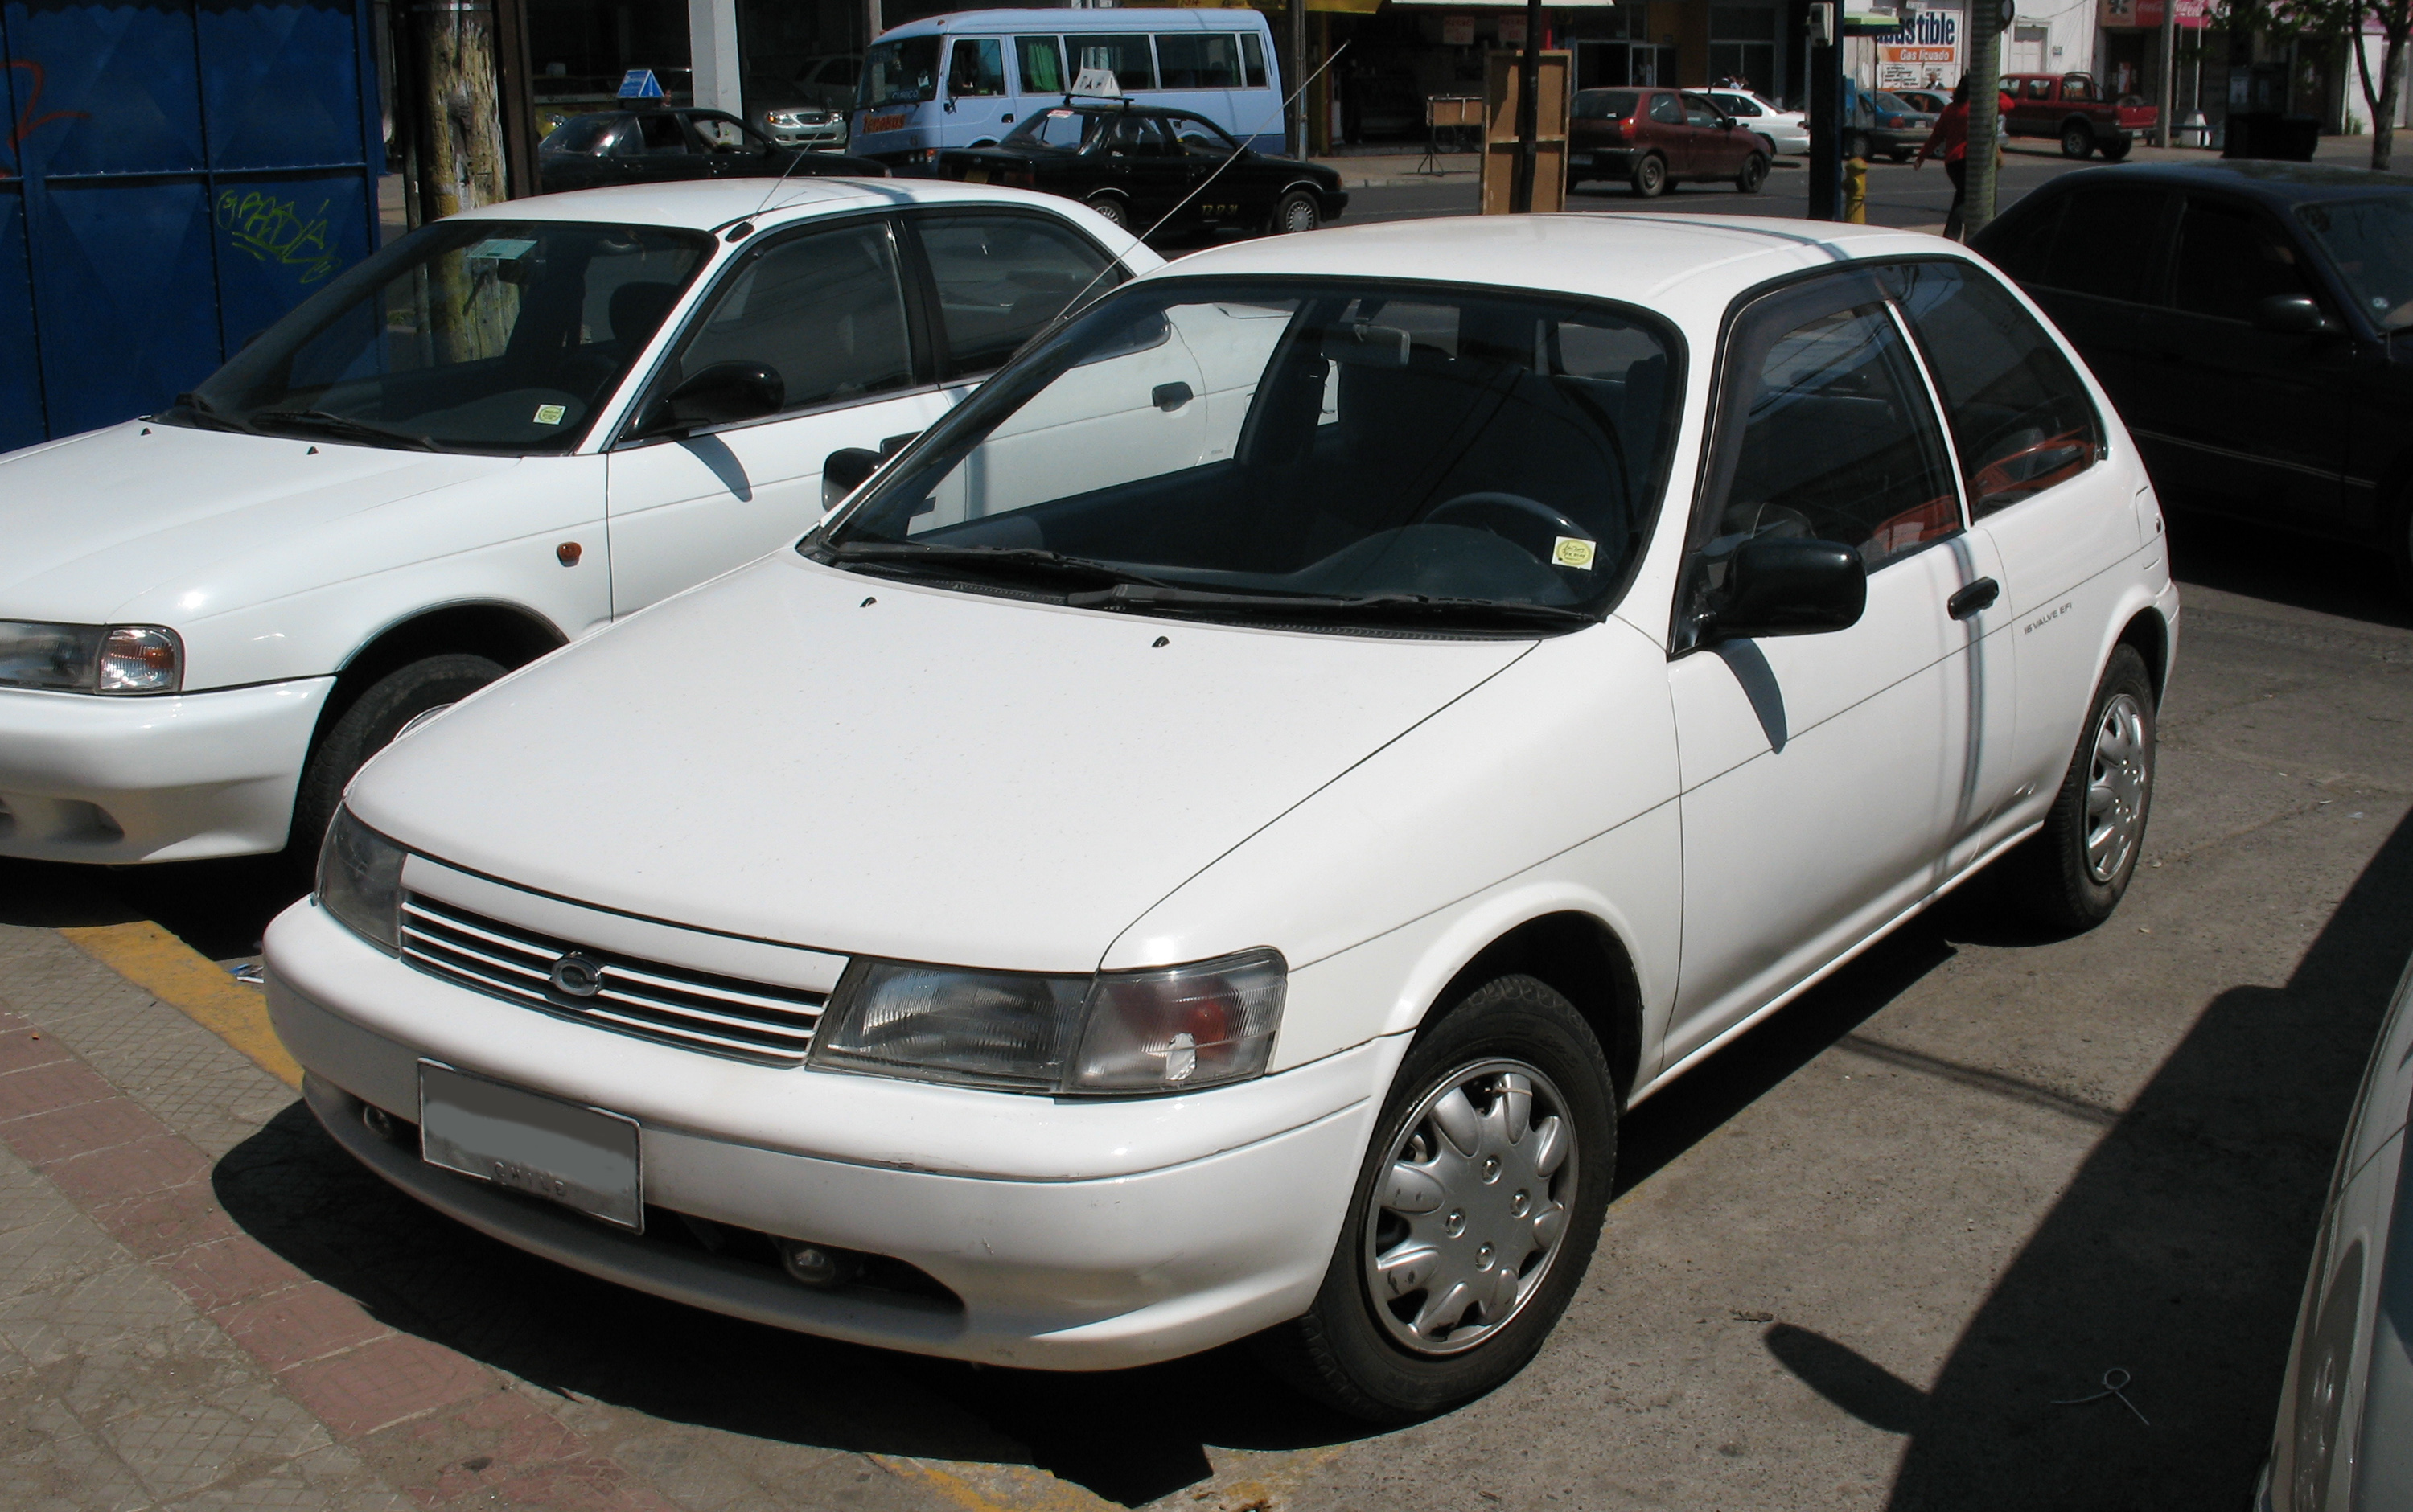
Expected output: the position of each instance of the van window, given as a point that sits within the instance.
(1198, 60)
(1253, 59)
(976, 66)
(898, 71)
(1126, 55)
(1043, 65)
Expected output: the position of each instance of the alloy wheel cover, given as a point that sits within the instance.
(2118, 774)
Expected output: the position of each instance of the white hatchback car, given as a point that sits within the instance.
(499, 434)
(1213, 836)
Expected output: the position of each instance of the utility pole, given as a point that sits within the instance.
(1529, 113)
(457, 133)
(2169, 55)
(1827, 109)
(1296, 81)
(1987, 20)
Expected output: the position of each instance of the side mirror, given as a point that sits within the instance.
(721, 395)
(2292, 315)
(1788, 586)
(844, 471)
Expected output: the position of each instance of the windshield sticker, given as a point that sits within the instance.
(500, 249)
(551, 415)
(1569, 552)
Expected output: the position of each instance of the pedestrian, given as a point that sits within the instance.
(1950, 140)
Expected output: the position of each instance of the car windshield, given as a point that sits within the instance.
(581, 134)
(905, 69)
(1297, 449)
(467, 334)
(1605, 104)
(2370, 243)
(1061, 130)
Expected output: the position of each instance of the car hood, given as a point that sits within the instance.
(94, 523)
(834, 760)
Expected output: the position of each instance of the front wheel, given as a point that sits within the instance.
(1754, 175)
(368, 727)
(1650, 178)
(2071, 874)
(1111, 209)
(2077, 140)
(1473, 1216)
(1298, 212)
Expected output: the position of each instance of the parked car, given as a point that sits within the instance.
(814, 126)
(2250, 321)
(1779, 130)
(495, 436)
(812, 109)
(1886, 125)
(2345, 1433)
(655, 146)
(1654, 138)
(1201, 844)
(2073, 108)
(1135, 163)
(1927, 102)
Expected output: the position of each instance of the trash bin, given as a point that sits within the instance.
(2267, 134)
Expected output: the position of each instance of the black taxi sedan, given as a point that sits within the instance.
(1137, 164)
(2253, 323)
(652, 147)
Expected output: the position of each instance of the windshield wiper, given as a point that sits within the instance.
(1028, 561)
(343, 426)
(213, 417)
(1143, 598)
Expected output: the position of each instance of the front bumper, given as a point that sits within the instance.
(830, 137)
(1077, 1235)
(177, 778)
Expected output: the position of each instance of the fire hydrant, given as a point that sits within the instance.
(1856, 190)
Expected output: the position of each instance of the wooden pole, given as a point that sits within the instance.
(1529, 113)
(459, 129)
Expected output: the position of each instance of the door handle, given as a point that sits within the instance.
(1977, 596)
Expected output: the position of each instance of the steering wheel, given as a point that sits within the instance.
(1558, 523)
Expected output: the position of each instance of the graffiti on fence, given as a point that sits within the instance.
(32, 115)
(274, 230)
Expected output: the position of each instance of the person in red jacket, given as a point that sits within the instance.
(1950, 140)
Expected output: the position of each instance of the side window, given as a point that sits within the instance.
(2229, 260)
(2019, 242)
(1699, 112)
(2020, 418)
(663, 132)
(1198, 60)
(1125, 54)
(1043, 65)
(1666, 110)
(824, 311)
(2080, 91)
(1001, 278)
(1828, 434)
(2103, 245)
(2039, 89)
(1142, 136)
(1253, 59)
(976, 66)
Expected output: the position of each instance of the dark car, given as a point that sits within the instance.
(1886, 125)
(1137, 164)
(594, 151)
(1930, 101)
(2253, 323)
(1653, 137)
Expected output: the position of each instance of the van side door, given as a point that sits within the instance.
(976, 101)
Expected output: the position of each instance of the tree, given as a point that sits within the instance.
(2395, 18)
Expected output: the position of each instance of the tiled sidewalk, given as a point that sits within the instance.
(157, 1354)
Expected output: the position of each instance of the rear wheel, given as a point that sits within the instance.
(2076, 140)
(2116, 148)
(1298, 212)
(2072, 873)
(368, 727)
(1473, 1216)
(1113, 209)
(1754, 175)
(1857, 145)
(1649, 177)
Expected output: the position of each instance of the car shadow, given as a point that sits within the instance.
(219, 908)
(2353, 581)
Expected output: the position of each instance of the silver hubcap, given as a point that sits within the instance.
(1299, 217)
(1472, 1207)
(2116, 781)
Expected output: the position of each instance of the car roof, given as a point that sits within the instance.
(707, 204)
(1690, 267)
(2275, 183)
(1108, 19)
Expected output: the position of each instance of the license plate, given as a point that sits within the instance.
(580, 1157)
(976, 175)
(885, 123)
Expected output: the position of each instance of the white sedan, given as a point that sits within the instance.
(1214, 836)
(1781, 131)
(499, 434)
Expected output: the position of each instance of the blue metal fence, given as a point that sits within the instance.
(175, 176)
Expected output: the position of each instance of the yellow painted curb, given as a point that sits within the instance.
(185, 979)
(995, 1487)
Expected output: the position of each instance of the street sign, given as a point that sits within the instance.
(640, 83)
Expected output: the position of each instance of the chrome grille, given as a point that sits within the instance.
(750, 1020)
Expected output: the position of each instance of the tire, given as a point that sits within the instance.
(367, 727)
(1362, 1356)
(2116, 148)
(2061, 883)
(1855, 145)
(1754, 175)
(1767, 144)
(1298, 210)
(1900, 154)
(1117, 213)
(2076, 140)
(1649, 177)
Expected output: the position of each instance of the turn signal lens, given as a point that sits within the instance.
(142, 659)
(1189, 1025)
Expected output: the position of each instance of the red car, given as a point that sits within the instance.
(2072, 106)
(1653, 137)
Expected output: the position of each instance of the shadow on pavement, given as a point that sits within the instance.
(2176, 1255)
(219, 908)
(2352, 582)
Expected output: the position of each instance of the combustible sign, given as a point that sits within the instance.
(1925, 54)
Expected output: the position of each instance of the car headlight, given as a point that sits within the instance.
(1115, 1032)
(360, 881)
(91, 658)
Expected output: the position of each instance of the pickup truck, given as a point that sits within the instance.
(2072, 107)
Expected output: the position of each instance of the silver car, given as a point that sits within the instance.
(2345, 1435)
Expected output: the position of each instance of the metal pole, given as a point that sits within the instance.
(1298, 69)
(2169, 54)
(1985, 79)
(1529, 112)
(870, 22)
(1826, 114)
